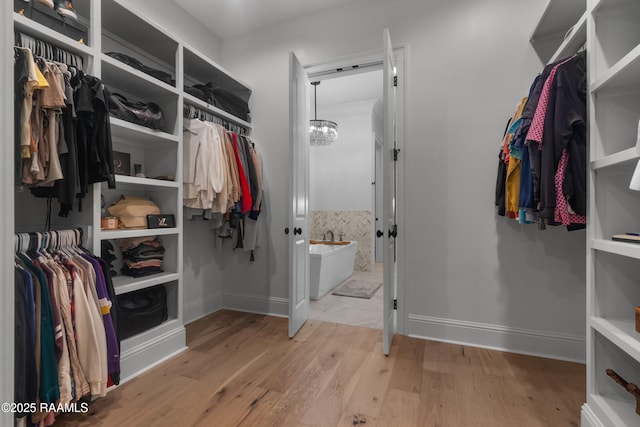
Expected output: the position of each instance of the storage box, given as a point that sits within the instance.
(161, 221)
(51, 19)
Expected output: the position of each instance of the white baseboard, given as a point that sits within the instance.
(496, 337)
(144, 357)
(201, 308)
(588, 418)
(271, 306)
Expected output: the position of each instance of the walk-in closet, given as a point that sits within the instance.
(160, 197)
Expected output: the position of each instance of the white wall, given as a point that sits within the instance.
(176, 22)
(469, 276)
(340, 173)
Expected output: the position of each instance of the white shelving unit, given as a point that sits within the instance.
(610, 30)
(198, 69)
(115, 27)
(613, 268)
(561, 29)
(159, 153)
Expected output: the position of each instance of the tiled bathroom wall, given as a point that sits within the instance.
(353, 225)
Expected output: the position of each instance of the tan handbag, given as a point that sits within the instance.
(132, 211)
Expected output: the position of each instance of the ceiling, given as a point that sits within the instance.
(231, 18)
(353, 88)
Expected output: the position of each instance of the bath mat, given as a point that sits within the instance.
(357, 289)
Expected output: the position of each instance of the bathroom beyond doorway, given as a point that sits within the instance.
(350, 211)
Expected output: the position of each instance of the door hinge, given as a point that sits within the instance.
(395, 81)
(395, 304)
(394, 232)
(396, 151)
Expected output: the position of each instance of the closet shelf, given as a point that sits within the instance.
(132, 345)
(619, 412)
(631, 250)
(121, 129)
(121, 77)
(192, 100)
(125, 284)
(620, 332)
(133, 183)
(145, 232)
(557, 17)
(574, 41)
(550, 30)
(626, 72)
(126, 27)
(125, 69)
(613, 6)
(624, 157)
(199, 68)
(27, 26)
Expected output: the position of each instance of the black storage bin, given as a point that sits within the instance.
(51, 19)
(141, 310)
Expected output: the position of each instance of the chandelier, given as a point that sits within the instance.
(321, 132)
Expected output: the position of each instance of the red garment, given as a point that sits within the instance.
(245, 200)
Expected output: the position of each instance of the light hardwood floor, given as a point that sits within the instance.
(242, 370)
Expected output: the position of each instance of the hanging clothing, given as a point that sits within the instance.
(548, 141)
(60, 152)
(66, 341)
(223, 181)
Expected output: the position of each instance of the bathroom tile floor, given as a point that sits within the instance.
(349, 310)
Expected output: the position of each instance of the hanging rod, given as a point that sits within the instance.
(47, 50)
(48, 239)
(193, 112)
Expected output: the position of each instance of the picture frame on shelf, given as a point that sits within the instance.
(122, 163)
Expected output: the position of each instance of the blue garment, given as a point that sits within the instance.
(49, 386)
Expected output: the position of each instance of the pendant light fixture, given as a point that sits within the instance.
(321, 132)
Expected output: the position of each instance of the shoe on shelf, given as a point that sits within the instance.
(65, 9)
(48, 3)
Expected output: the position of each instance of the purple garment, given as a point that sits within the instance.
(113, 349)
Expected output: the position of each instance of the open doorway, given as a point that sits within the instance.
(345, 200)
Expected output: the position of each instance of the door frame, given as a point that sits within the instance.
(329, 69)
(377, 199)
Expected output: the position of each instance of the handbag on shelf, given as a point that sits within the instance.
(145, 114)
(132, 211)
(221, 98)
(141, 310)
(132, 62)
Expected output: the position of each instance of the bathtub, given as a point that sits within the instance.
(329, 265)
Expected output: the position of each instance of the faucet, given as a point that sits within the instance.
(331, 233)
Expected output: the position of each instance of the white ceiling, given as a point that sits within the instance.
(230, 18)
(353, 88)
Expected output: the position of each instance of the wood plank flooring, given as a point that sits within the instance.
(242, 370)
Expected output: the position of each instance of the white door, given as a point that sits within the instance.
(389, 197)
(299, 105)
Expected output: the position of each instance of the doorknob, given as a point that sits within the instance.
(286, 230)
(297, 231)
(393, 233)
(379, 233)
